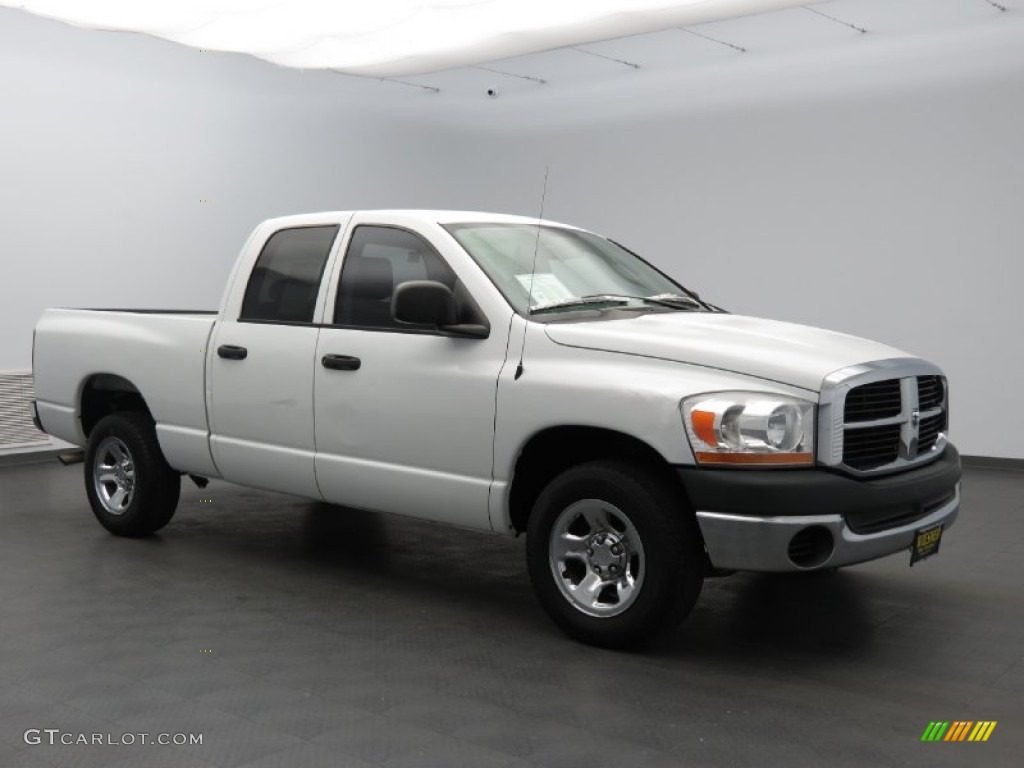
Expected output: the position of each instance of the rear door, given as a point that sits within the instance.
(261, 398)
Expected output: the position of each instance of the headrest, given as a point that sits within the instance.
(372, 278)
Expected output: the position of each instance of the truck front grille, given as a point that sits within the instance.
(929, 432)
(929, 392)
(871, 447)
(877, 400)
(883, 417)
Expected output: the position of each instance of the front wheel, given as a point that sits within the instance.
(131, 488)
(613, 553)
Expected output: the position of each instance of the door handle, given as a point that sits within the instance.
(231, 352)
(341, 362)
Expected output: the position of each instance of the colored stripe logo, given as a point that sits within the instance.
(959, 730)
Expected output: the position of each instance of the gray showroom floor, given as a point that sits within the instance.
(292, 634)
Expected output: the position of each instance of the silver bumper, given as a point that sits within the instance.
(747, 543)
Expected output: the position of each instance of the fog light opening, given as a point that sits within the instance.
(811, 547)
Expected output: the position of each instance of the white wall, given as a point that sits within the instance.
(875, 189)
(108, 142)
(879, 193)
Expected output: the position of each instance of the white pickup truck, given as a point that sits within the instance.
(514, 376)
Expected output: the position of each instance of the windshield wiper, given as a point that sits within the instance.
(670, 300)
(675, 300)
(581, 301)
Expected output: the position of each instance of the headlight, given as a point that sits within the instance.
(750, 428)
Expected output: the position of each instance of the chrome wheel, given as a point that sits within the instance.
(596, 557)
(113, 474)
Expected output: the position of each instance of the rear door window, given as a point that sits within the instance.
(285, 281)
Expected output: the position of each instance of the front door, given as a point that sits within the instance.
(404, 415)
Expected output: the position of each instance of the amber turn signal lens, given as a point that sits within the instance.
(704, 425)
(795, 459)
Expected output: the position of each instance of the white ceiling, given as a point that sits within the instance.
(388, 37)
(698, 62)
(762, 37)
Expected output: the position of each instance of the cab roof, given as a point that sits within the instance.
(425, 216)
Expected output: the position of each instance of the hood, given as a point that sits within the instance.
(798, 355)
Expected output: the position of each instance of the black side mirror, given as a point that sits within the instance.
(428, 302)
(424, 302)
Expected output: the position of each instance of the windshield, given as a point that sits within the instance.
(572, 270)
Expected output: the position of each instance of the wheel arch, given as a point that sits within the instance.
(553, 450)
(106, 393)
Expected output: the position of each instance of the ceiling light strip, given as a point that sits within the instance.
(513, 74)
(432, 88)
(739, 48)
(602, 56)
(837, 21)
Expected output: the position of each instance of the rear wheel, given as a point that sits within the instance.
(131, 488)
(613, 553)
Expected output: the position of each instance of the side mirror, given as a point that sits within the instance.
(428, 302)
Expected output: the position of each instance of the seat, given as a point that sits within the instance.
(295, 300)
(372, 283)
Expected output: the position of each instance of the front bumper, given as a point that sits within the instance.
(797, 520)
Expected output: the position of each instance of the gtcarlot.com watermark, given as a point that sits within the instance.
(55, 736)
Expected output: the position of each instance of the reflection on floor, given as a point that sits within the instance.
(295, 634)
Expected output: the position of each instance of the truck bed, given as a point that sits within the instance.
(161, 352)
(197, 312)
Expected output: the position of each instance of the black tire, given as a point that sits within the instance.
(153, 486)
(667, 569)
